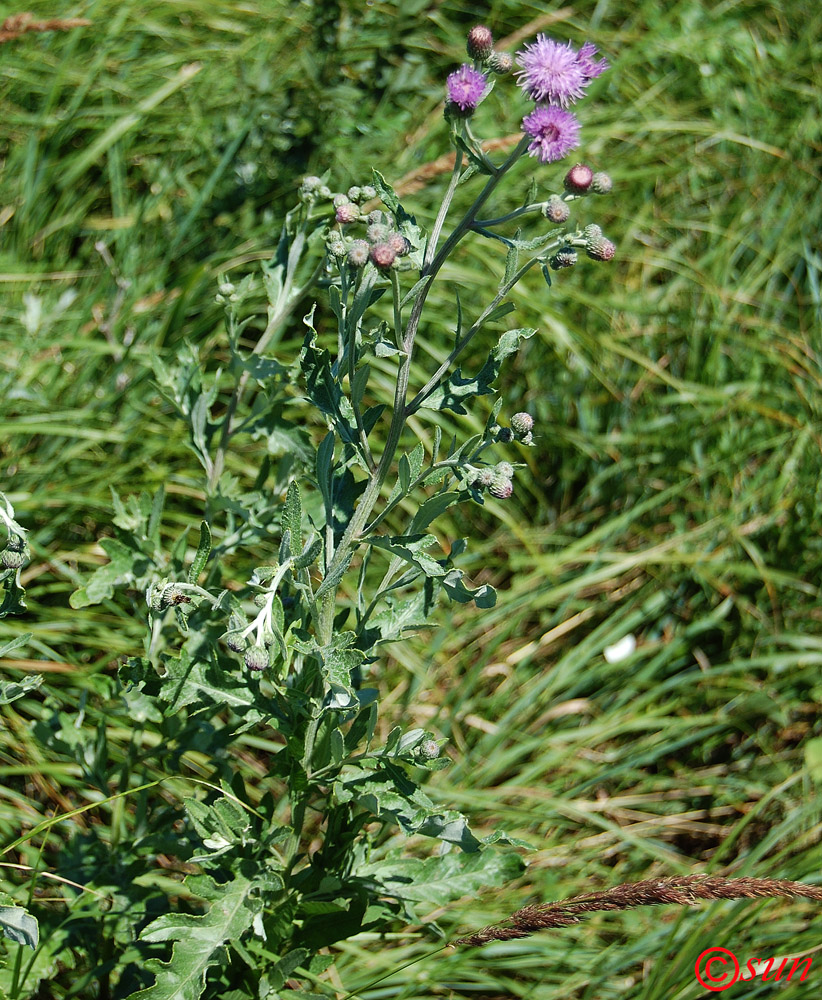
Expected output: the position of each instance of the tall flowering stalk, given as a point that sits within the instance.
(342, 502)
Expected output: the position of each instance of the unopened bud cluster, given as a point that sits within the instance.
(382, 245)
(16, 553)
(579, 182)
(521, 429)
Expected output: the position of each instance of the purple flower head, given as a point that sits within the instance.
(554, 133)
(589, 67)
(551, 72)
(466, 88)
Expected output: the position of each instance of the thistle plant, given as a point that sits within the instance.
(343, 502)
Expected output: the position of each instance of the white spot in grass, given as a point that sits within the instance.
(620, 650)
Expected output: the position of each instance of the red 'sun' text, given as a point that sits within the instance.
(717, 969)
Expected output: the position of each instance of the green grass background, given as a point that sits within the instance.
(674, 494)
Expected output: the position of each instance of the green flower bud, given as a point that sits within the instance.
(354, 193)
(16, 543)
(556, 210)
(261, 600)
(500, 63)
(235, 642)
(565, 257)
(368, 192)
(13, 560)
(504, 469)
(601, 183)
(521, 423)
(501, 487)
(428, 750)
(256, 658)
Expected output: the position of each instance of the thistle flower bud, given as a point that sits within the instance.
(504, 435)
(383, 255)
(377, 232)
(235, 642)
(428, 750)
(12, 559)
(354, 193)
(334, 244)
(399, 244)
(601, 183)
(339, 199)
(600, 248)
(565, 257)
(521, 423)
(528, 438)
(500, 63)
(592, 232)
(324, 192)
(480, 42)
(485, 477)
(310, 187)
(374, 218)
(256, 658)
(368, 192)
(16, 543)
(347, 212)
(504, 470)
(578, 179)
(501, 487)
(269, 638)
(556, 210)
(260, 600)
(358, 253)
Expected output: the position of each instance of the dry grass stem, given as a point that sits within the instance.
(18, 24)
(686, 890)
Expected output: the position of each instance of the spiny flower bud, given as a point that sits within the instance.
(501, 487)
(504, 435)
(485, 477)
(383, 255)
(592, 232)
(521, 423)
(556, 210)
(504, 469)
(13, 560)
(324, 191)
(428, 750)
(269, 638)
(500, 63)
(347, 213)
(16, 543)
(368, 192)
(334, 244)
(235, 642)
(339, 200)
(578, 179)
(601, 183)
(358, 253)
(480, 42)
(354, 193)
(565, 257)
(311, 183)
(377, 232)
(600, 248)
(260, 600)
(399, 244)
(256, 657)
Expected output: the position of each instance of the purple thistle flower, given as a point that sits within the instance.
(554, 133)
(466, 88)
(551, 72)
(585, 58)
